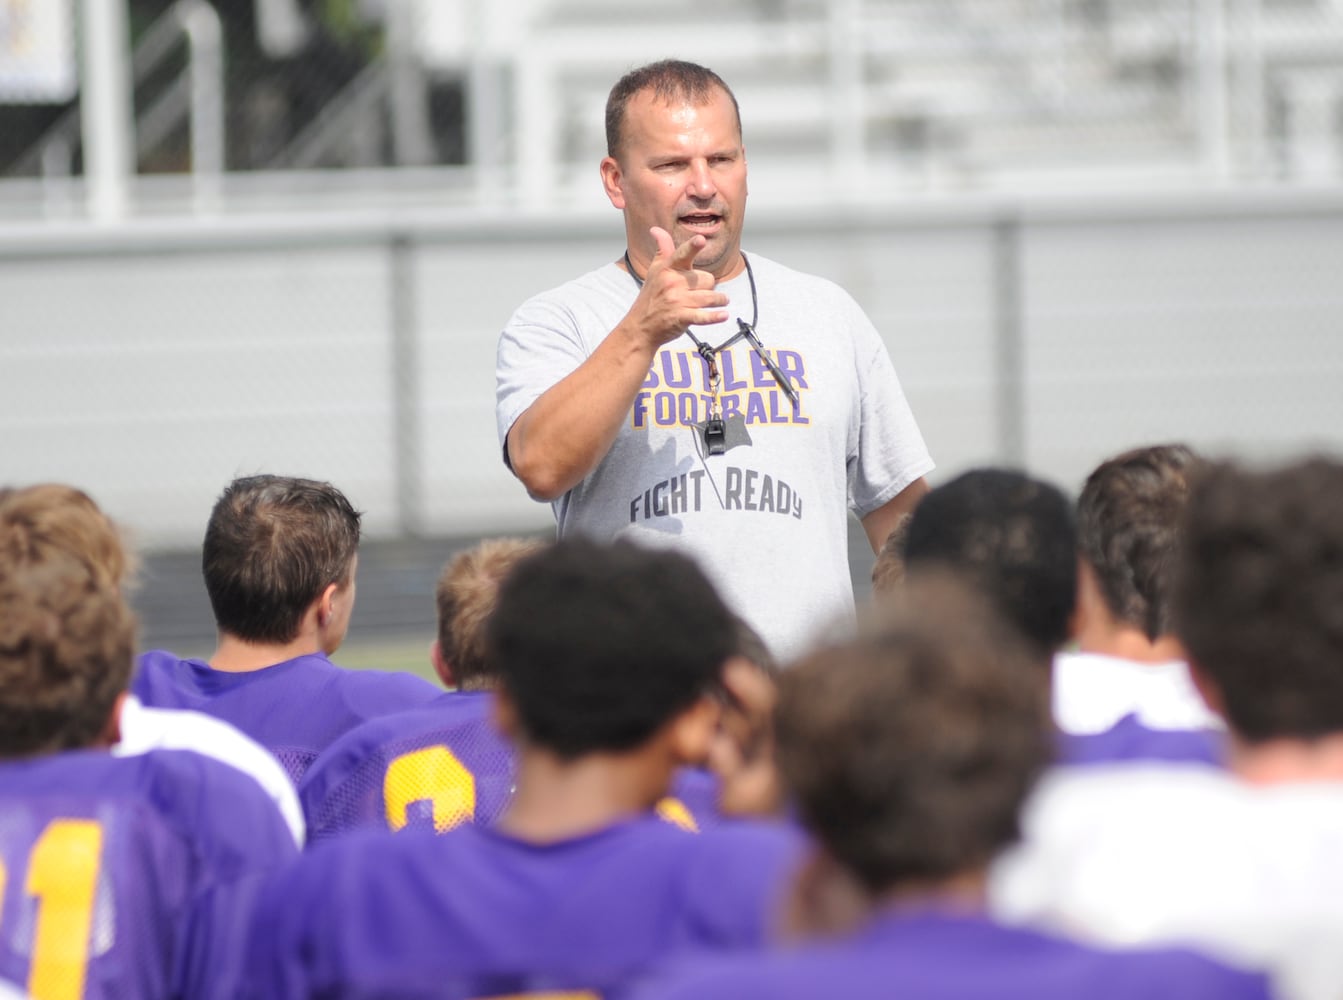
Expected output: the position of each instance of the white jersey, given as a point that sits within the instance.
(1093, 692)
(1142, 854)
(144, 729)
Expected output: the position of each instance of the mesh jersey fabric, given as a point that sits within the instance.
(439, 766)
(477, 913)
(295, 709)
(131, 876)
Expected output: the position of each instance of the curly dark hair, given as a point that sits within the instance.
(1258, 595)
(1014, 536)
(910, 749)
(67, 636)
(1128, 530)
(599, 646)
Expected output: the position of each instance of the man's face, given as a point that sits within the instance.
(681, 166)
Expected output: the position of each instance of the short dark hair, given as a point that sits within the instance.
(669, 80)
(465, 597)
(1129, 515)
(599, 646)
(1258, 595)
(67, 636)
(910, 749)
(273, 544)
(1011, 534)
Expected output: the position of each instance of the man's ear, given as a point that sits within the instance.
(504, 715)
(613, 181)
(441, 666)
(693, 730)
(1089, 605)
(1209, 691)
(326, 605)
(111, 734)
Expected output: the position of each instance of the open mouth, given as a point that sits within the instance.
(701, 220)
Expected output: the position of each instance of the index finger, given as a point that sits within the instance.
(684, 257)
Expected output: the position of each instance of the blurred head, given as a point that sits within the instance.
(68, 518)
(1258, 596)
(465, 596)
(1014, 536)
(675, 159)
(909, 750)
(273, 546)
(1129, 516)
(598, 647)
(67, 636)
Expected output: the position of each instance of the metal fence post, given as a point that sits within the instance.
(1009, 342)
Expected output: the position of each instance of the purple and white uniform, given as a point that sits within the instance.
(295, 709)
(131, 876)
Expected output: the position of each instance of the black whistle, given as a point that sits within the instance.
(715, 437)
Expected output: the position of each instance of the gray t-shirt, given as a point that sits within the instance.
(768, 521)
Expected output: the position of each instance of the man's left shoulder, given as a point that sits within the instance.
(766, 269)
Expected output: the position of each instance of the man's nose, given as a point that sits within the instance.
(701, 183)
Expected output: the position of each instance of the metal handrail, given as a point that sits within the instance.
(195, 23)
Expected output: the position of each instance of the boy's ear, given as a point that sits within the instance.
(692, 731)
(1208, 690)
(504, 714)
(111, 734)
(441, 666)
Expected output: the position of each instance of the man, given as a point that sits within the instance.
(1247, 862)
(1128, 676)
(609, 663)
(65, 518)
(908, 753)
(122, 876)
(279, 561)
(691, 395)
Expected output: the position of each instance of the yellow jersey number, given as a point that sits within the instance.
(63, 875)
(435, 775)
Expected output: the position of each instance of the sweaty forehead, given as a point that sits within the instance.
(651, 119)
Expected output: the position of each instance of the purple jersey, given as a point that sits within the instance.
(1129, 740)
(131, 876)
(436, 767)
(431, 768)
(932, 956)
(295, 709)
(474, 913)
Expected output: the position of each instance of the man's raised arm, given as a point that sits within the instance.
(562, 436)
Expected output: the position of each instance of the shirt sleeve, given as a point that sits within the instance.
(887, 451)
(541, 344)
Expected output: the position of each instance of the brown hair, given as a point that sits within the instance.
(1258, 596)
(669, 80)
(68, 518)
(67, 636)
(273, 544)
(1128, 530)
(910, 749)
(465, 596)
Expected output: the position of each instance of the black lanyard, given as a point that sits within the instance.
(745, 331)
